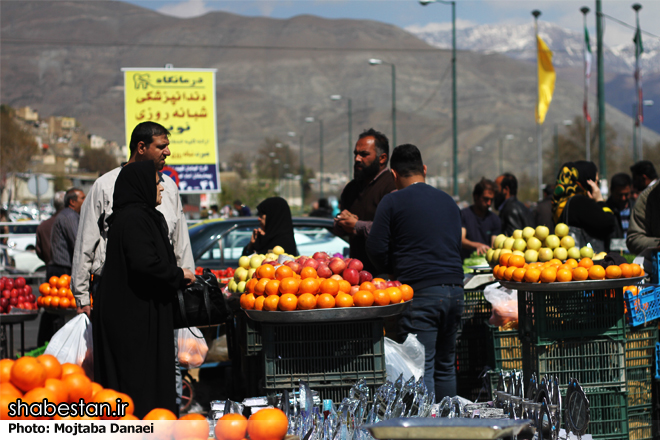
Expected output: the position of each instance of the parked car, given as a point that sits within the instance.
(218, 244)
(21, 247)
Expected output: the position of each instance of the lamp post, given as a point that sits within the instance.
(311, 119)
(453, 87)
(376, 62)
(478, 149)
(508, 137)
(566, 123)
(350, 130)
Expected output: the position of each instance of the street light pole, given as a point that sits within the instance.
(376, 62)
(453, 87)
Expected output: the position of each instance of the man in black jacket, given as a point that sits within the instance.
(513, 213)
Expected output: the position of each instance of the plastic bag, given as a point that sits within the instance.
(504, 302)
(192, 348)
(218, 351)
(73, 343)
(407, 358)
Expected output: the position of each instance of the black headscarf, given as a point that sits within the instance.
(571, 180)
(279, 227)
(135, 187)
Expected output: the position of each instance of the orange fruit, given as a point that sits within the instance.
(496, 272)
(378, 280)
(329, 286)
(343, 300)
(368, 285)
(283, 272)
(5, 400)
(38, 395)
(8, 388)
(381, 297)
(289, 285)
(288, 302)
(47, 300)
(259, 302)
(44, 289)
(548, 275)
(406, 292)
(247, 301)
(51, 364)
(53, 281)
(631, 289)
(586, 262)
(231, 427)
(27, 373)
(580, 273)
(532, 275)
(325, 301)
(268, 424)
(65, 303)
(58, 388)
(596, 272)
(363, 298)
(110, 397)
(78, 386)
(612, 272)
(636, 269)
(5, 370)
(250, 285)
(508, 272)
(394, 294)
(518, 274)
(266, 271)
(344, 286)
(160, 413)
(564, 274)
(308, 272)
(306, 301)
(504, 259)
(500, 272)
(626, 270)
(191, 427)
(96, 387)
(62, 283)
(272, 288)
(69, 368)
(565, 266)
(270, 303)
(308, 285)
(55, 301)
(260, 287)
(572, 262)
(555, 261)
(516, 260)
(125, 398)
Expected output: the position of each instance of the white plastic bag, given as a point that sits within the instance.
(406, 358)
(73, 343)
(192, 347)
(504, 302)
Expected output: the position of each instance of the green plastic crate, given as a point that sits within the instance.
(546, 317)
(640, 356)
(506, 349)
(640, 423)
(475, 306)
(250, 336)
(334, 354)
(608, 413)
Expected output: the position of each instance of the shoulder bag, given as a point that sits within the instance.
(201, 303)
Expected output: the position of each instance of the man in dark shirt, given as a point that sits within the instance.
(619, 202)
(479, 226)
(63, 237)
(45, 229)
(323, 209)
(243, 211)
(513, 213)
(416, 237)
(542, 214)
(361, 196)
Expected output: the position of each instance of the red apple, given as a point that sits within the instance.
(2, 283)
(19, 282)
(336, 277)
(6, 293)
(302, 259)
(323, 271)
(356, 264)
(296, 267)
(347, 261)
(337, 265)
(397, 283)
(320, 256)
(13, 301)
(20, 299)
(390, 284)
(30, 297)
(9, 284)
(380, 285)
(2, 310)
(13, 293)
(352, 276)
(9, 308)
(365, 276)
(354, 290)
(27, 289)
(4, 302)
(311, 263)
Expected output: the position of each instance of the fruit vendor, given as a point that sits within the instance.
(361, 196)
(479, 226)
(513, 213)
(416, 237)
(275, 228)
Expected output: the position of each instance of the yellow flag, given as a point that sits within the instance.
(547, 77)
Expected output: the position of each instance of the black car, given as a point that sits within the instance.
(218, 244)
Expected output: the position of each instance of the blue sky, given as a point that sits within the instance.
(405, 13)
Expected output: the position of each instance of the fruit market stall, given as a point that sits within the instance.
(17, 306)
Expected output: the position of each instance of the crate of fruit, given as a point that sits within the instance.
(642, 306)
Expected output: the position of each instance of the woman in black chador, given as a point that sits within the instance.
(132, 315)
(275, 228)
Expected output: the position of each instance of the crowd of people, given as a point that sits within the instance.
(126, 244)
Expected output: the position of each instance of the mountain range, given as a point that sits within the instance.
(64, 58)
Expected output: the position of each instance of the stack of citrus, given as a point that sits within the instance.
(56, 293)
(280, 288)
(514, 268)
(265, 424)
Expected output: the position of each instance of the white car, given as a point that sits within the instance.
(21, 247)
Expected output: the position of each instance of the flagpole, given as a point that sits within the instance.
(539, 149)
(587, 72)
(638, 141)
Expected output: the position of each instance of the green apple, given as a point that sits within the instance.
(561, 253)
(496, 256)
(232, 286)
(574, 253)
(567, 242)
(244, 262)
(534, 243)
(270, 256)
(517, 252)
(552, 241)
(517, 233)
(240, 287)
(528, 232)
(586, 252)
(561, 230)
(256, 260)
(499, 241)
(251, 272)
(278, 250)
(531, 256)
(489, 255)
(508, 243)
(545, 254)
(240, 274)
(519, 245)
(541, 232)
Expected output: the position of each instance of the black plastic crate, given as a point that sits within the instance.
(475, 306)
(473, 349)
(249, 333)
(546, 317)
(335, 354)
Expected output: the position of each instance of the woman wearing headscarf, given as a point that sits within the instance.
(578, 202)
(275, 228)
(132, 314)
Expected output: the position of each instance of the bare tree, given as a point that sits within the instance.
(97, 160)
(275, 159)
(17, 145)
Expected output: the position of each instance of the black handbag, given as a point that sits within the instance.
(201, 303)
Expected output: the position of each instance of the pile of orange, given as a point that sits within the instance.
(265, 424)
(282, 289)
(513, 268)
(56, 293)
